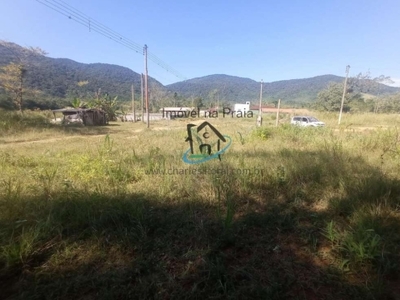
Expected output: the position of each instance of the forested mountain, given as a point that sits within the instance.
(237, 89)
(56, 81)
(62, 78)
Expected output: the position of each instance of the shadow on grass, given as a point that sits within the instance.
(141, 246)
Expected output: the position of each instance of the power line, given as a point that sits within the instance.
(93, 25)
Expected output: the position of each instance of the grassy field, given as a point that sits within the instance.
(296, 213)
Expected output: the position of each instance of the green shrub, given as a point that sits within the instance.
(262, 133)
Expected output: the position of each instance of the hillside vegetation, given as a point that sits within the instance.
(240, 90)
(295, 92)
(57, 81)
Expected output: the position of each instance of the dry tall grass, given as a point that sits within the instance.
(288, 212)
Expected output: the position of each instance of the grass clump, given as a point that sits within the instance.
(14, 122)
(292, 213)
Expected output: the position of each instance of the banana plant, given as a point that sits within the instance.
(109, 105)
(77, 103)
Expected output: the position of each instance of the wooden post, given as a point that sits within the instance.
(146, 91)
(142, 92)
(344, 93)
(277, 113)
(259, 118)
(133, 104)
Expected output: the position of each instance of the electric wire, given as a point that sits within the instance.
(93, 25)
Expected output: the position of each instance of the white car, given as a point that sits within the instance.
(306, 121)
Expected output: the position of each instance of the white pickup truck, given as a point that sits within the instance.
(306, 121)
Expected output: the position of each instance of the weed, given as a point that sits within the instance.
(21, 246)
(47, 177)
(281, 175)
(241, 139)
(262, 133)
(111, 231)
(330, 232)
(107, 147)
(361, 246)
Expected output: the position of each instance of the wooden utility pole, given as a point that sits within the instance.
(146, 91)
(344, 93)
(259, 118)
(133, 104)
(141, 92)
(277, 113)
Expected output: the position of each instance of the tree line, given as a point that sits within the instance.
(363, 94)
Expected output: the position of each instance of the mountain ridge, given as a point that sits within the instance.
(64, 79)
(59, 77)
(246, 89)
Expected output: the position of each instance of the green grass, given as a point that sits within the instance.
(312, 214)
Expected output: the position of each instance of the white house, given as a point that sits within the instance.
(242, 107)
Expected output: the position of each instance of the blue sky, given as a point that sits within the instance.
(269, 40)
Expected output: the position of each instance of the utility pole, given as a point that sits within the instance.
(277, 113)
(259, 118)
(133, 104)
(219, 96)
(344, 93)
(141, 92)
(146, 90)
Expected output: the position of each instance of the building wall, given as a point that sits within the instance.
(242, 107)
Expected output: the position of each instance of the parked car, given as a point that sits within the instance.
(306, 121)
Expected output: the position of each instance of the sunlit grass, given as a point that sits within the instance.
(80, 212)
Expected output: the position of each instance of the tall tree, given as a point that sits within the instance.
(12, 81)
(329, 99)
(365, 83)
(12, 76)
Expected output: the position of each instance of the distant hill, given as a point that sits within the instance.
(238, 89)
(64, 78)
(61, 79)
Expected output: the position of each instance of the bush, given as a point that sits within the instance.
(12, 121)
(262, 133)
